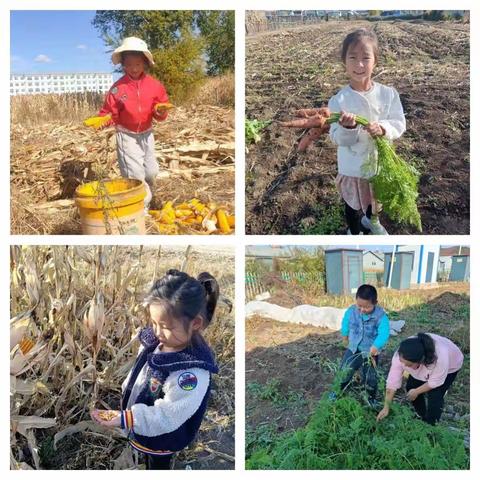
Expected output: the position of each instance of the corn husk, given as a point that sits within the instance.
(93, 321)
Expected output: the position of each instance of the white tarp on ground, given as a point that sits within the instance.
(325, 317)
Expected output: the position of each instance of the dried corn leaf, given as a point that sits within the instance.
(20, 424)
(84, 426)
(26, 387)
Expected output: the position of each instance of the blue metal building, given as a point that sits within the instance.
(344, 270)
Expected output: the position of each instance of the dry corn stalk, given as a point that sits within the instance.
(55, 375)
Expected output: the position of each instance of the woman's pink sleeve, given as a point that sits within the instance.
(394, 379)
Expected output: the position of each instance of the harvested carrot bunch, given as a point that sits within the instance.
(193, 217)
(315, 119)
(395, 183)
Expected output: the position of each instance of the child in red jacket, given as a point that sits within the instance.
(131, 104)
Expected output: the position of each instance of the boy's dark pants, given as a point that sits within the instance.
(158, 462)
(430, 411)
(351, 363)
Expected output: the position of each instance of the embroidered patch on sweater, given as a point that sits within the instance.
(154, 384)
(187, 381)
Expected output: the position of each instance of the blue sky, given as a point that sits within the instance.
(56, 41)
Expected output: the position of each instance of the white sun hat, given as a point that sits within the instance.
(132, 44)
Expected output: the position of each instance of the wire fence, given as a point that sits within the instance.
(254, 284)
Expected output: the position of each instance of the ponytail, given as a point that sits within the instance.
(428, 347)
(212, 291)
(419, 349)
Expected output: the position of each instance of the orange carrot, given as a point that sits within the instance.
(310, 122)
(311, 112)
(311, 136)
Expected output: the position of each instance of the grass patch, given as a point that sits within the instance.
(345, 435)
(271, 392)
(328, 221)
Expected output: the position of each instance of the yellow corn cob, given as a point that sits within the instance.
(26, 345)
(97, 122)
(163, 107)
(183, 212)
(167, 229)
(167, 217)
(231, 220)
(223, 222)
(192, 220)
(183, 206)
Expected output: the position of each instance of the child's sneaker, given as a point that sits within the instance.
(373, 224)
(376, 405)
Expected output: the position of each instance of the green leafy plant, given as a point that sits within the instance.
(344, 434)
(328, 221)
(395, 183)
(253, 129)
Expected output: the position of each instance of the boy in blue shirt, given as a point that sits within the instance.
(365, 331)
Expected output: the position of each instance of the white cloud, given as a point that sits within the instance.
(82, 47)
(43, 59)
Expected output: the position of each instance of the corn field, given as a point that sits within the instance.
(75, 314)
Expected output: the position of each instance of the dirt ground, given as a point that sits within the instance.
(427, 62)
(288, 366)
(49, 161)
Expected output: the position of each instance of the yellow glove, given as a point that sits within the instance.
(163, 107)
(97, 122)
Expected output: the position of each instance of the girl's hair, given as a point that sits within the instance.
(367, 292)
(419, 349)
(185, 297)
(356, 36)
(123, 56)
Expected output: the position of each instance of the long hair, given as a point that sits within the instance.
(419, 349)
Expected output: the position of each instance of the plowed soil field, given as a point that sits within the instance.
(427, 62)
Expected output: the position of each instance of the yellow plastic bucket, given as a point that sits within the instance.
(112, 206)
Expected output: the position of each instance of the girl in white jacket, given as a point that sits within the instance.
(166, 393)
(382, 107)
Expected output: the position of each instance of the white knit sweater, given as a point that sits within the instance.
(380, 104)
(174, 409)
